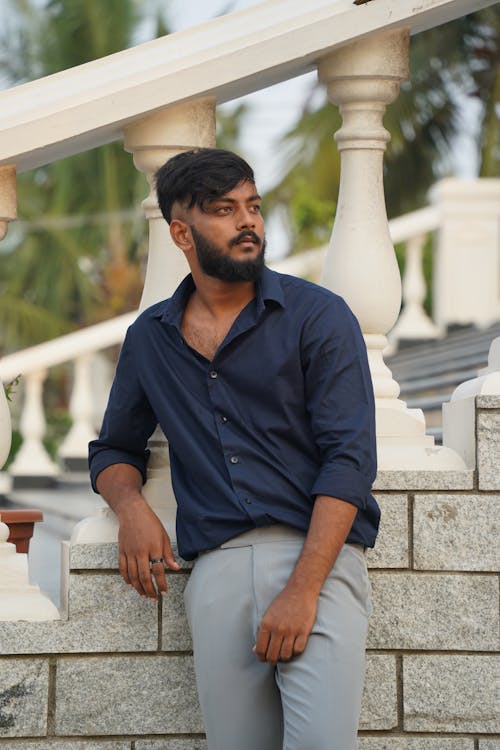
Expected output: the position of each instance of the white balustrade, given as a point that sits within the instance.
(362, 79)
(74, 448)
(153, 141)
(414, 323)
(32, 460)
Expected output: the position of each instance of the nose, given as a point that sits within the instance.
(245, 218)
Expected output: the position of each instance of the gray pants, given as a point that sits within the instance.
(309, 703)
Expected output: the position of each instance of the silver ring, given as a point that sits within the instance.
(157, 560)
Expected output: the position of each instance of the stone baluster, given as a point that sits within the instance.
(33, 465)
(8, 203)
(7, 213)
(362, 78)
(74, 448)
(153, 141)
(414, 323)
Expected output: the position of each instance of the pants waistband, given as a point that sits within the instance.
(278, 532)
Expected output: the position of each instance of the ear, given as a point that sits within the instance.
(181, 235)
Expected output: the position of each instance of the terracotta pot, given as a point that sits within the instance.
(21, 524)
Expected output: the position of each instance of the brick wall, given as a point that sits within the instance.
(116, 673)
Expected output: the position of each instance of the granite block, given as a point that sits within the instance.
(456, 532)
(195, 744)
(391, 549)
(115, 695)
(488, 402)
(54, 744)
(491, 744)
(424, 480)
(24, 690)
(451, 693)
(434, 611)
(379, 705)
(403, 742)
(104, 615)
(175, 634)
(488, 450)
(104, 555)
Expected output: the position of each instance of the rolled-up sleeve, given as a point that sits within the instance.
(340, 402)
(128, 421)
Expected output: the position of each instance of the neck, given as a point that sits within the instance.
(221, 297)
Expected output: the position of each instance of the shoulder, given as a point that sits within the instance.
(311, 300)
(147, 317)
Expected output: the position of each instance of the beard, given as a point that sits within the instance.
(214, 263)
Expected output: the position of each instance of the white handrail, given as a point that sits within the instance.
(69, 112)
(65, 348)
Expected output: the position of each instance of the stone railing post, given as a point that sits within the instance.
(33, 464)
(362, 78)
(414, 323)
(74, 448)
(8, 203)
(152, 142)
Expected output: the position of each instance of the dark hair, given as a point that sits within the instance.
(195, 177)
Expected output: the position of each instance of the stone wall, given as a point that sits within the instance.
(116, 673)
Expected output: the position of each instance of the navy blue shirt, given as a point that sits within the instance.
(283, 412)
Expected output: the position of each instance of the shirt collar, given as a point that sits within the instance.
(268, 289)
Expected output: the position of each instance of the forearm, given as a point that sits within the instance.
(287, 622)
(120, 486)
(330, 524)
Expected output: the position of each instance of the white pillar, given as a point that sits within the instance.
(153, 141)
(18, 599)
(362, 78)
(467, 257)
(5, 427)
(74, 448)
(32, 460)
(414, 323)
(7, 197)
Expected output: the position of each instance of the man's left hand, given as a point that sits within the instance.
(286, 625)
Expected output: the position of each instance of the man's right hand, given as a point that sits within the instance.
(142, 536)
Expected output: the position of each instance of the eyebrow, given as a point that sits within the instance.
(255, 197)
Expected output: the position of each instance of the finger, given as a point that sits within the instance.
(145, 578)
(262, 643)
(286, 651)
(168, 556)
(133, 576)
(123, 568)
(300, 644)
(274, 649)
(158, 570)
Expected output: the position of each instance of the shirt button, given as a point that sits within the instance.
(234, 459)
(248, 501)
(223, 418)
(213, 374)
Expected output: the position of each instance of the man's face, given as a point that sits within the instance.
(229, 235)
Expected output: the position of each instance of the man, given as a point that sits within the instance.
(261, 385)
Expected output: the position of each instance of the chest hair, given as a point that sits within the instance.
(205, 336)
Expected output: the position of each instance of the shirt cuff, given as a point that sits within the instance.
(345, 483)
(102, 460)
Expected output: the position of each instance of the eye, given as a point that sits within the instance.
(222, 210)
(256, 208)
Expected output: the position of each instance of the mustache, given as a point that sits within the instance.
(246, 234)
